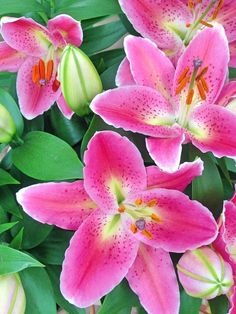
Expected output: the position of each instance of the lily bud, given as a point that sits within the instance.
(12, 295)
(7, 125)
(204, 274)
(80, 82)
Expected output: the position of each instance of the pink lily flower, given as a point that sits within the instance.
(173, 106)
(128, 226)
(171, 24)
(34, 51)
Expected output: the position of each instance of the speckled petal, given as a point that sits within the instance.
(65, 30)
(166, 152)
(10, 59)
(97, 259)
(226, 17)
(152, 278)
(229, 234)
(213, 129)
(177, 180)
(228, 92)
(149, 65)
(124, 75)
(25, 35)
(183, 224)
(65, 109)
(207, 46)
(34, 100)
(136, 108)
(232, 48)
(63, 204)
(113, 169)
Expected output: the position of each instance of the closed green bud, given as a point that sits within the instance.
(12, 295)
(80, 82)
(7, 126)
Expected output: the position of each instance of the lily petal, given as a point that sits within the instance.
(63, 204)
(177, 180)
(136, 108)
(65, 30)
(228, 92)
(230, 229)
(124, 75)
(65, 109)
(207, 46)
(98, 258)
(152, 278)
(113, 169)
(25, 35)
(233, 302)
(10, 59)
(33, 100)
(226, 17)
(149, 65)
(166, 152)
(182, 224)
(232, 48)
(158, 20)
(213, 128)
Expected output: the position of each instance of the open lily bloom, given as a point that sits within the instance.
(128, 228)
(171, 24)
(173, 106)
(34, 51)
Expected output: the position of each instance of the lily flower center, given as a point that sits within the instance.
(141, 213)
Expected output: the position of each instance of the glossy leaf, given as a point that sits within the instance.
(7, 226)
(188, 304)
(219, 305)
(6, 178)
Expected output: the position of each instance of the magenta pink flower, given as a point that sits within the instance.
(174, 106)
(129, 224)
(34, 51)
(171, 24)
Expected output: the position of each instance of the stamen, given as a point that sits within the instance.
(183, 75)
(206, 23)
(217, 10)
(42, 69)
(147, 234)
(140, 224)
(191, 4)
(121, 209)
(133, 228)
(202, 73)
(155, 217)
(56, 84)
(138, 202)
(190, 97)
(201, 90)
(182, 85)
(35, 74)
(204, 84)
(49, 70)
(188, 25)
(152, 203)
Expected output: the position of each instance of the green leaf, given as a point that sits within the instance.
(188, 304)
(7, 226)
(9, 103)
(8, 202)
(109, 75)
(230, 164)
(120, 300)
(102, 36)
(208, 188)
(20, 7)
(38, 290)
(219, 305)
(17, 241)
(54, 274)
(87, 9)
(13, 261)
(46, 157)
(232, 72)
(6, 178)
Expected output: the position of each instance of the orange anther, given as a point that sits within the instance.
(155, 217)
(183, 75)
(41, 69)
(202, 73)
(206, 23)
(190, 96)
(217, 10)
(49, 70)
(201, 90)
(35, 74)
(56, 84)
(138, 202)
(204, 84)
(188, 25)
(133, 228)
(152, 203)
(121, 209)
(182, 85)
(191, 4)
(147, 234)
